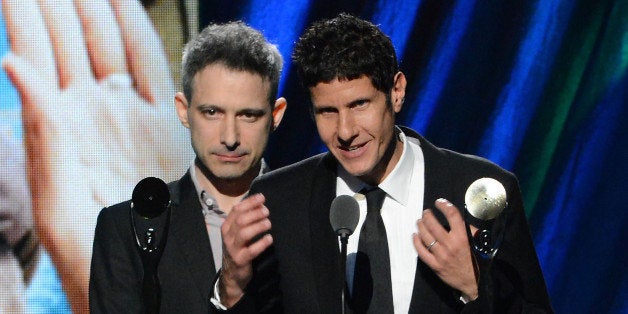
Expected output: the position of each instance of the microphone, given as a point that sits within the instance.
(485, 200)
(343, 216)
(150, 199)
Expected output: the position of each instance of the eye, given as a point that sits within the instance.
(359, 104)
(209, 111)
(251, 115)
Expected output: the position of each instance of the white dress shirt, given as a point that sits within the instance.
(402, 207)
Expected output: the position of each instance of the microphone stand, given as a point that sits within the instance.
(344, 215)
(151, 255)
(481, 264)
(484, 250)
(344, 238)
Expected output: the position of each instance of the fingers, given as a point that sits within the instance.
(246, 221)
(28, 36)
(446, 253)
(425, 238)
(31, 86)
(452, 214)
(103, 38)
(73, 41)
(147, 62)
(65, 31)
(432, 238)
(431, 229)
(36, 130)
(424, 254)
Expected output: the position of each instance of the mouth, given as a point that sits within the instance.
(353, 150)
(231, 158)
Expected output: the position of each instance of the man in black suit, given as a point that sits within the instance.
(230, 77)
(351, 71)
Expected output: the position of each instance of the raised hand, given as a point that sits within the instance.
(246, 221)
(447, 253)
(97, 114)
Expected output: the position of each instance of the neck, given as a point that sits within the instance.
(226, 191)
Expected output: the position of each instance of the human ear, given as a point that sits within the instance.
(181, 105)
(278, 110)
(398, 92)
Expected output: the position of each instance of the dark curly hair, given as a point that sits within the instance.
(345, 47)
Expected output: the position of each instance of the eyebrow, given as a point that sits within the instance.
(251, 111)
(351, 103)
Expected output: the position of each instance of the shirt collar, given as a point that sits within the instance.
(208, 203)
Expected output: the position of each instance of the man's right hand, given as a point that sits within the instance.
(246, 221)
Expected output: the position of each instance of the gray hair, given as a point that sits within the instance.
(236, 46)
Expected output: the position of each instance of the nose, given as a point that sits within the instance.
(346, 128)
(230, 134)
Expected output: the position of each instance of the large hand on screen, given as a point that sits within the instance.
(97, 116)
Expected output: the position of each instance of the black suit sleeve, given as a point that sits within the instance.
(115, 274)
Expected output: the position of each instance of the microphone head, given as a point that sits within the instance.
(150, 197)
(485, 198)
(344, 215)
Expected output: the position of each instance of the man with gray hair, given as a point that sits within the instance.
(230, 76)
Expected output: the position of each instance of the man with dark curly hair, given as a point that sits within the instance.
(402, 257)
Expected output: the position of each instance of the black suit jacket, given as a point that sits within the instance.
(300, 272)
(185, 271)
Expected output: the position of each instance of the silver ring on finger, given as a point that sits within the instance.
(117, 81)
(429, 246)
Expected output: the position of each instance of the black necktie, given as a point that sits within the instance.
(372, 288)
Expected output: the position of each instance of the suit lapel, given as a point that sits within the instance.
(430, 294)
(325, 252)
(189, 236)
